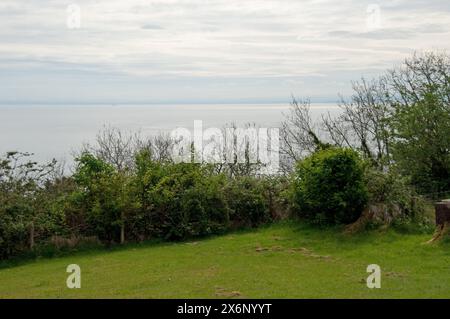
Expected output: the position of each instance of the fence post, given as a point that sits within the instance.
(442, 209)
(32, 235)
(122, 233)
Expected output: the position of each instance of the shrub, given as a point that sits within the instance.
(328, 187)
(395, 191)
(189, 202)
(107, 197)
(179, 201)
(25, 204)
(13, 230)
(248, 206)
(150, 200)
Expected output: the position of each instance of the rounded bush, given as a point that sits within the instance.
(329, 188)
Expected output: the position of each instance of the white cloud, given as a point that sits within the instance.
(219, 39)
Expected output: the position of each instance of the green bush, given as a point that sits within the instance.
(395, 191)
(13, 230)
(188, 201)
(26, 203)
(97, 196)
(248, 206)
(178, 201)
(328, 187)
(21, 216)
(151, 200)
(106, 196)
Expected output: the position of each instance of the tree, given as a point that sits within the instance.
(99, 192)
(400, 118)
(421, 141)
(300, 134)
(362, 124)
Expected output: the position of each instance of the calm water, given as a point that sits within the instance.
(55, 131)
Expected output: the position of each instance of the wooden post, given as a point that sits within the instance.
(122, 233)
(442, 209)
(32, 235)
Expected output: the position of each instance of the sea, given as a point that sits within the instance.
(59, 131)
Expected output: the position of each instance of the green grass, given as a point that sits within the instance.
(285, 260)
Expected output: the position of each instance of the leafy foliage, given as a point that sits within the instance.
(152, 200)
(328, 187)
(421, 146)
(25, 203)
(248, 205)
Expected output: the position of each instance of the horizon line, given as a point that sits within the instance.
(124, 103)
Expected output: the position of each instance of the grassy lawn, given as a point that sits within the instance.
(284, 260)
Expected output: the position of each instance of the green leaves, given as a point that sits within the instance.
(328, 187)
(421, 141)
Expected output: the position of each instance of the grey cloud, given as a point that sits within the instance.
(423, 5)
(143, 41)
(380, 34)
(433, 28)
(391, 33)
(152, 27)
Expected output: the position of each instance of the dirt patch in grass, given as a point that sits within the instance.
(304, 251)
(225, 293)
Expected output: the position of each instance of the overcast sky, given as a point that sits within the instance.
(190, 51)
